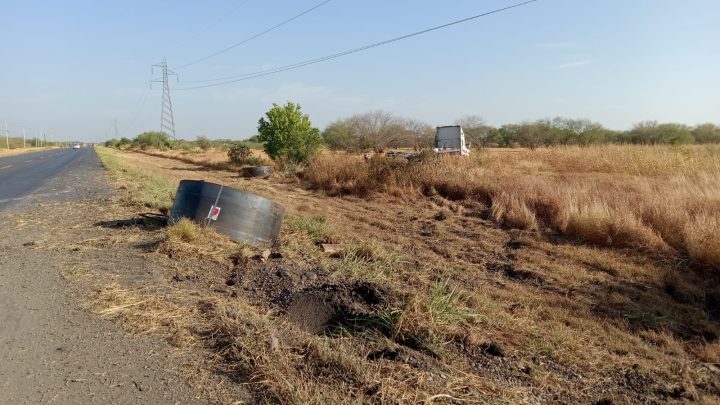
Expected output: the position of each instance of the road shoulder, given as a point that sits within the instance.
(52, 349)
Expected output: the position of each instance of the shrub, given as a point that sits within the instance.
(153, 139)
(112, 143)
(239, 153)
(204, 143)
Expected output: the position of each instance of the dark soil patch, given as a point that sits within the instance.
(313, 311)
(493, 349)
(309, 298)
(510, 271)
(712, 304)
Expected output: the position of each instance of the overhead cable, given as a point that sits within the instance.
(259, 34)
(267, 72)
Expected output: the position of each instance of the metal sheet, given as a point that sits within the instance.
(242, 216)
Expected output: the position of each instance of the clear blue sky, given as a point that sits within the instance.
(72, 66)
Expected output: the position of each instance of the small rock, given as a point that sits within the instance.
(219, 289)
(138, 386)
(265, 254)
(231, 281)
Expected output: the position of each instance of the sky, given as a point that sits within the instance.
(70, 68)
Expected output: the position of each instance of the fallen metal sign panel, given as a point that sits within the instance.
(239, 215)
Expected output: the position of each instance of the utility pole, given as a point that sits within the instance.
(167, 120)
(23, 138)
(7, 136)
(116, 130)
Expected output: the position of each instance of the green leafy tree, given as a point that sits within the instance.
(288, 134)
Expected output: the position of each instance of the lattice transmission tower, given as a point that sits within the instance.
(167, 120)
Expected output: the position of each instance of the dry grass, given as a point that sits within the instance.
(213, 159)
(645, 197)
(475, 312)
(20, 151)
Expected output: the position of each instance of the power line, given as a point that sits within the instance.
(138, 107)
(244, 41)
(217, 21)
(252, 75)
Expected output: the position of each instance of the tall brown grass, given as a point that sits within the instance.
(659, 198)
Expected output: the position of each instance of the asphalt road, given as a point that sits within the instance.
(21, 176)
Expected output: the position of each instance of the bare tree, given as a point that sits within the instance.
(420, 134)
(476, 130)
(375, 129)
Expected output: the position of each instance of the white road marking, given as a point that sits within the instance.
(6, 167)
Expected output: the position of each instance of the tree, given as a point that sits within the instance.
(476, 131)
(420, 134)
(288, 134)
(706, 133)
(153, 139)
(203, 142)
(653, 133)
(376, 129)
(339, 135)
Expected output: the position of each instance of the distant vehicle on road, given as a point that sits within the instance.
(76, 146)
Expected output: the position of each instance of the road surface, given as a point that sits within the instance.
(22, 175)
(51, 349)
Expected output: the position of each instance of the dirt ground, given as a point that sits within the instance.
(52, 348)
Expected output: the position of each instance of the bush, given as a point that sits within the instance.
(153, 139)
(239, 153)
(204, 143)
(113, 143)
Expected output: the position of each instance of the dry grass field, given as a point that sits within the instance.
(661, 198)
(574, 275)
